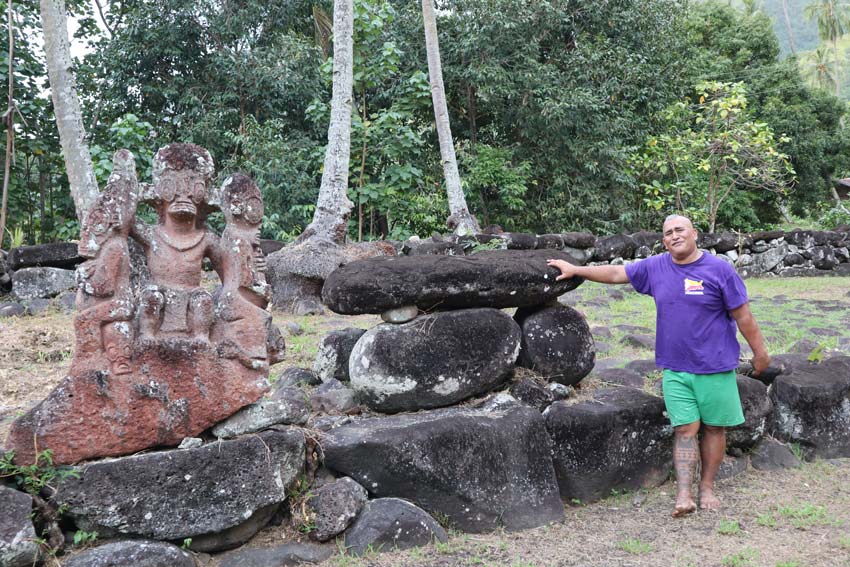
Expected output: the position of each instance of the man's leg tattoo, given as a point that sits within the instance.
(685, 459)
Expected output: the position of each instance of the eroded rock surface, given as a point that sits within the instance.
(481, 469)
(172, 495)
(556, 343)
(388, 524)
(619, 440)
(494, 278)
(435, 360)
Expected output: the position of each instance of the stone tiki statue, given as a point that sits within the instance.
(168, 364)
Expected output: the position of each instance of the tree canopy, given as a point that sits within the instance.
(549, 103)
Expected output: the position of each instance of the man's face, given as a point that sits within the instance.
(679, 237)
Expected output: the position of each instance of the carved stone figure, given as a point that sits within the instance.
(168, 364)
(104, 299)
(174, 303)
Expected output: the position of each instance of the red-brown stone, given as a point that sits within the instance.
(151, 370)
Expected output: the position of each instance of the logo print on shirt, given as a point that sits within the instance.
(693, 287)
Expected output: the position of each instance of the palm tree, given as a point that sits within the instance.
(460, 220)
(69, 116)
(333, 207)
(820, 69)
(833, 19)
(788, 27)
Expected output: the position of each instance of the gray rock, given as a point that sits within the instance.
(304, 306)
(185, 493)
(400, 314)
(769, 259)
(556, 343)
(478, 468)
(333, 397)
(67, 301)
(288, 408)
(30, 283)
(334, 506)
(191, 443)
(237, 535)
(389, 524)
(532, 393)
(579, 239)
(550, 241)
(293, 329)
(500, 401)
(435, 360)
(560, 392)
(620, 377)
(520, 240)
(38, 306)
(18, 541)
(493, 278)
(615, 246)
(812, 407)
(294, 377)
(771, 455)
(10, 309)
(334, 352)
(639, 341)
(619, 440)
(54, 255)
(137, 553)
(280, 556)
(294, 293)
(757, 414)
(732, 466)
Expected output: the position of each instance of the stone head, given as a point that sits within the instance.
(242, 202)
(114, 209)
(181, 176)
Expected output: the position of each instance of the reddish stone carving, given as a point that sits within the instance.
(151, 370)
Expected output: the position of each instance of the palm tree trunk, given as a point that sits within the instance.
(10, 123)
(69, 117)
(788, 27)
(460, 220)
(837, 73)
(333, 206)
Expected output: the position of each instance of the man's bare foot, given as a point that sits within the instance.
(684, 505)
(707, 500)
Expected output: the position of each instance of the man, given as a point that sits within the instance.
(699, 301)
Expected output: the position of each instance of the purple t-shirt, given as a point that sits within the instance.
(694, 330)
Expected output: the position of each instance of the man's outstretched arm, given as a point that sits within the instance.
(599, 274)
(750, 329)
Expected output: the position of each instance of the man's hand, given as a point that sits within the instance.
(567, 269)
(761, 361)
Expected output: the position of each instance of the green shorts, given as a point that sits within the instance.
(711, 398)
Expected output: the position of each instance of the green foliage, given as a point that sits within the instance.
(634, 546)
(130, 133)
(710, 148)
(729, 527)
(82, 537)
(35, 477)
(744, 558)
(495, 185)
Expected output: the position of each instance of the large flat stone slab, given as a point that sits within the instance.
(435, 360)
(480, 469)
(494, 278)
(52, 255)
(183, 493)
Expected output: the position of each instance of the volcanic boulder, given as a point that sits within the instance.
(177, 494)
(812, 407)
(619, 440)
(435, 360)
(556, 343)
(481, 469)
(493, 278)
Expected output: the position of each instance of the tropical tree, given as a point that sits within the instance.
(712, 149)
(820, 69)
(833, 19)
(461, 220)
(330, 220)
(66, 103)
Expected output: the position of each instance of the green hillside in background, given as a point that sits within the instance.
(804, 31)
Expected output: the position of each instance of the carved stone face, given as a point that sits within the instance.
(181, 192)
(243, 201)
